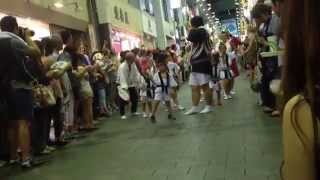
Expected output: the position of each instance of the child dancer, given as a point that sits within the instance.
(215, 81)
(225, 72)
(163, 83)
(146, 93)
(174, 70)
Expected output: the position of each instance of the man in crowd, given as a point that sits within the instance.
(128, 78)
(270, 25)
(19, 83)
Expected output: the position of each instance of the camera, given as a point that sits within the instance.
(22, 32)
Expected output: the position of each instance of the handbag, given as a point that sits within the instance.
(255, 83)
(43, 96)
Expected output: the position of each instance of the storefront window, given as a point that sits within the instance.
(116, 12)
(121, 15)
(165, 10)
(122, 41)
(126, 18)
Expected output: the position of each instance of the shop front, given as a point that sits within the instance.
(46, 20)
(122, 40)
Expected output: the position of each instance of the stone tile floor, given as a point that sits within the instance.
(235, 142)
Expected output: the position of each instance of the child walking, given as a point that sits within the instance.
(146, 93)
(225, 71)
(175, 71)
(214, 84)
(163, 83)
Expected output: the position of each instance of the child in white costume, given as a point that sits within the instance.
(163, 83)
(146, 93)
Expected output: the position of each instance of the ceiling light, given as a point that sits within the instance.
(58, 5)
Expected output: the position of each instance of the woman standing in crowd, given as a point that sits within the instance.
(86, 95)
(112, 75)
(40, 126)
(200, 65)
(52, 46)
(301, 85)
(68, 86)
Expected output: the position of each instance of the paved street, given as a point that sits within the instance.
(236, 142)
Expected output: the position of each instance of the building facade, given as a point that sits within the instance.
(165, 23)
(148, 23)
(46, 18)
(120, 25)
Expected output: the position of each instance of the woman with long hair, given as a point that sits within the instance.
(301, 85)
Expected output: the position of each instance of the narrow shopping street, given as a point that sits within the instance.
(235, 142)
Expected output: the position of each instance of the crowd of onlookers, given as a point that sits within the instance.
(282, 51)
(54, 90)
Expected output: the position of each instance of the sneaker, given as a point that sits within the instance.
(193, 110)
(229, 97)
(181, 108)
(50, 148)
(2, 163)
(96, 122)
(45, 152)
(145, 115)
(153, 119)
(226, 97)
(136, 114)
(123, 117)
(206, 110)
(232, 92)
(26, 163)
(275, 113)
(267, 110)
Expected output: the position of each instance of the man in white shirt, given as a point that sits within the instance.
(128, 80)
